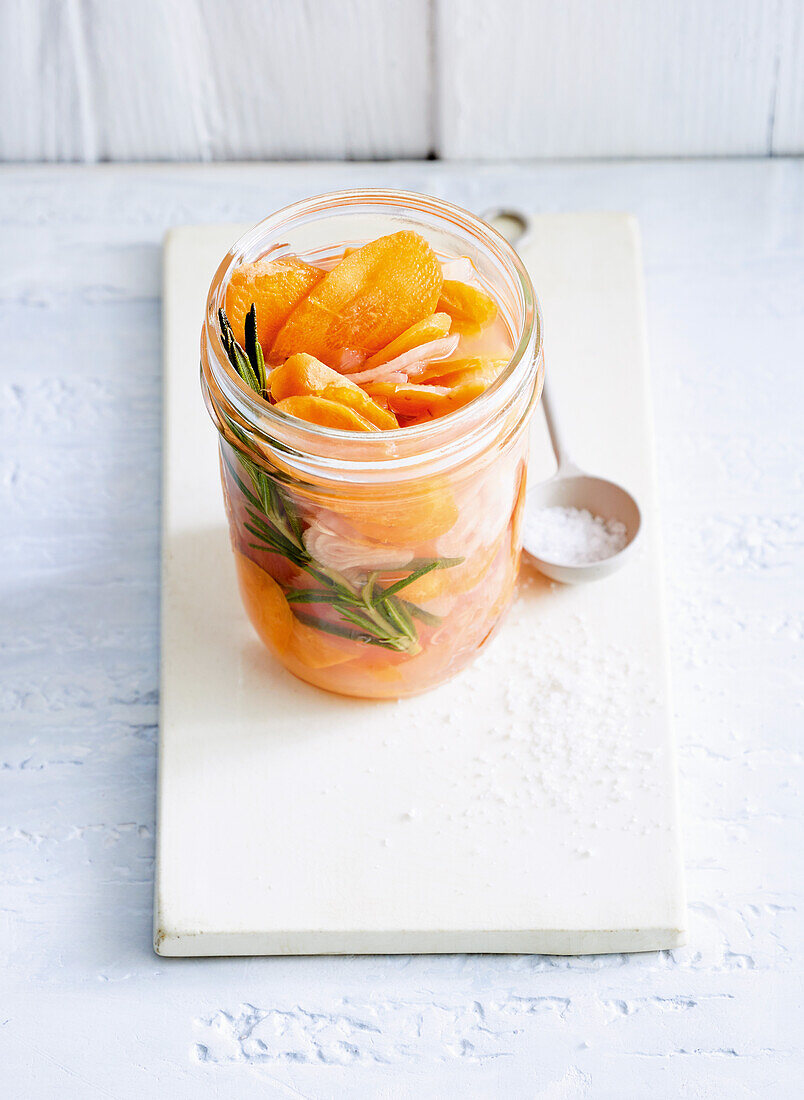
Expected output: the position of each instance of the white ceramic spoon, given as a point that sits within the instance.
(569, 487)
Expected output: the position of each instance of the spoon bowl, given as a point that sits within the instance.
(595, 494)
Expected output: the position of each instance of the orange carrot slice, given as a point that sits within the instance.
(303, 376)
(409, 399)
(470, 309)
(276, 287)
(366, 301)
(406, 517)
(423, 332)
(348, 394)
(265, 603)
(455, 372)
(327, 414)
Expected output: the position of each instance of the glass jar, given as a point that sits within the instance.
(376, 564)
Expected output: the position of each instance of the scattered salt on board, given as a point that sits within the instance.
(573, 536)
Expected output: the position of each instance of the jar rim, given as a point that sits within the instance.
(395, 446)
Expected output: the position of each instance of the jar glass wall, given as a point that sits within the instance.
(377, 564)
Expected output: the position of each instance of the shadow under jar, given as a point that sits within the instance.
(335, 532)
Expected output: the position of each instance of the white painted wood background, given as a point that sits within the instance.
(91, 80)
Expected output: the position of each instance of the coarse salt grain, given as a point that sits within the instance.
(572, 536)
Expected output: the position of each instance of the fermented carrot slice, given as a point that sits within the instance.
(276, 287)
(382, 390)
(470, 309)
(327, 414)
(455, 372)
(410, 399)
(407, 517)
(301, 375)
(265, 603)
(348, 394)
(304, 376)
(431, 328)
(367, 300)
(458, 396)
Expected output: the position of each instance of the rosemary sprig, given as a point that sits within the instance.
(254, 348)
(370, 614)
(250, 366)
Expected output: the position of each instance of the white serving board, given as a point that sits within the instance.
(527, 806)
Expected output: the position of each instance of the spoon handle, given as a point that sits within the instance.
(563, 459)
(515, 225)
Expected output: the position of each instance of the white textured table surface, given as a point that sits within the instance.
(85, 1007)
